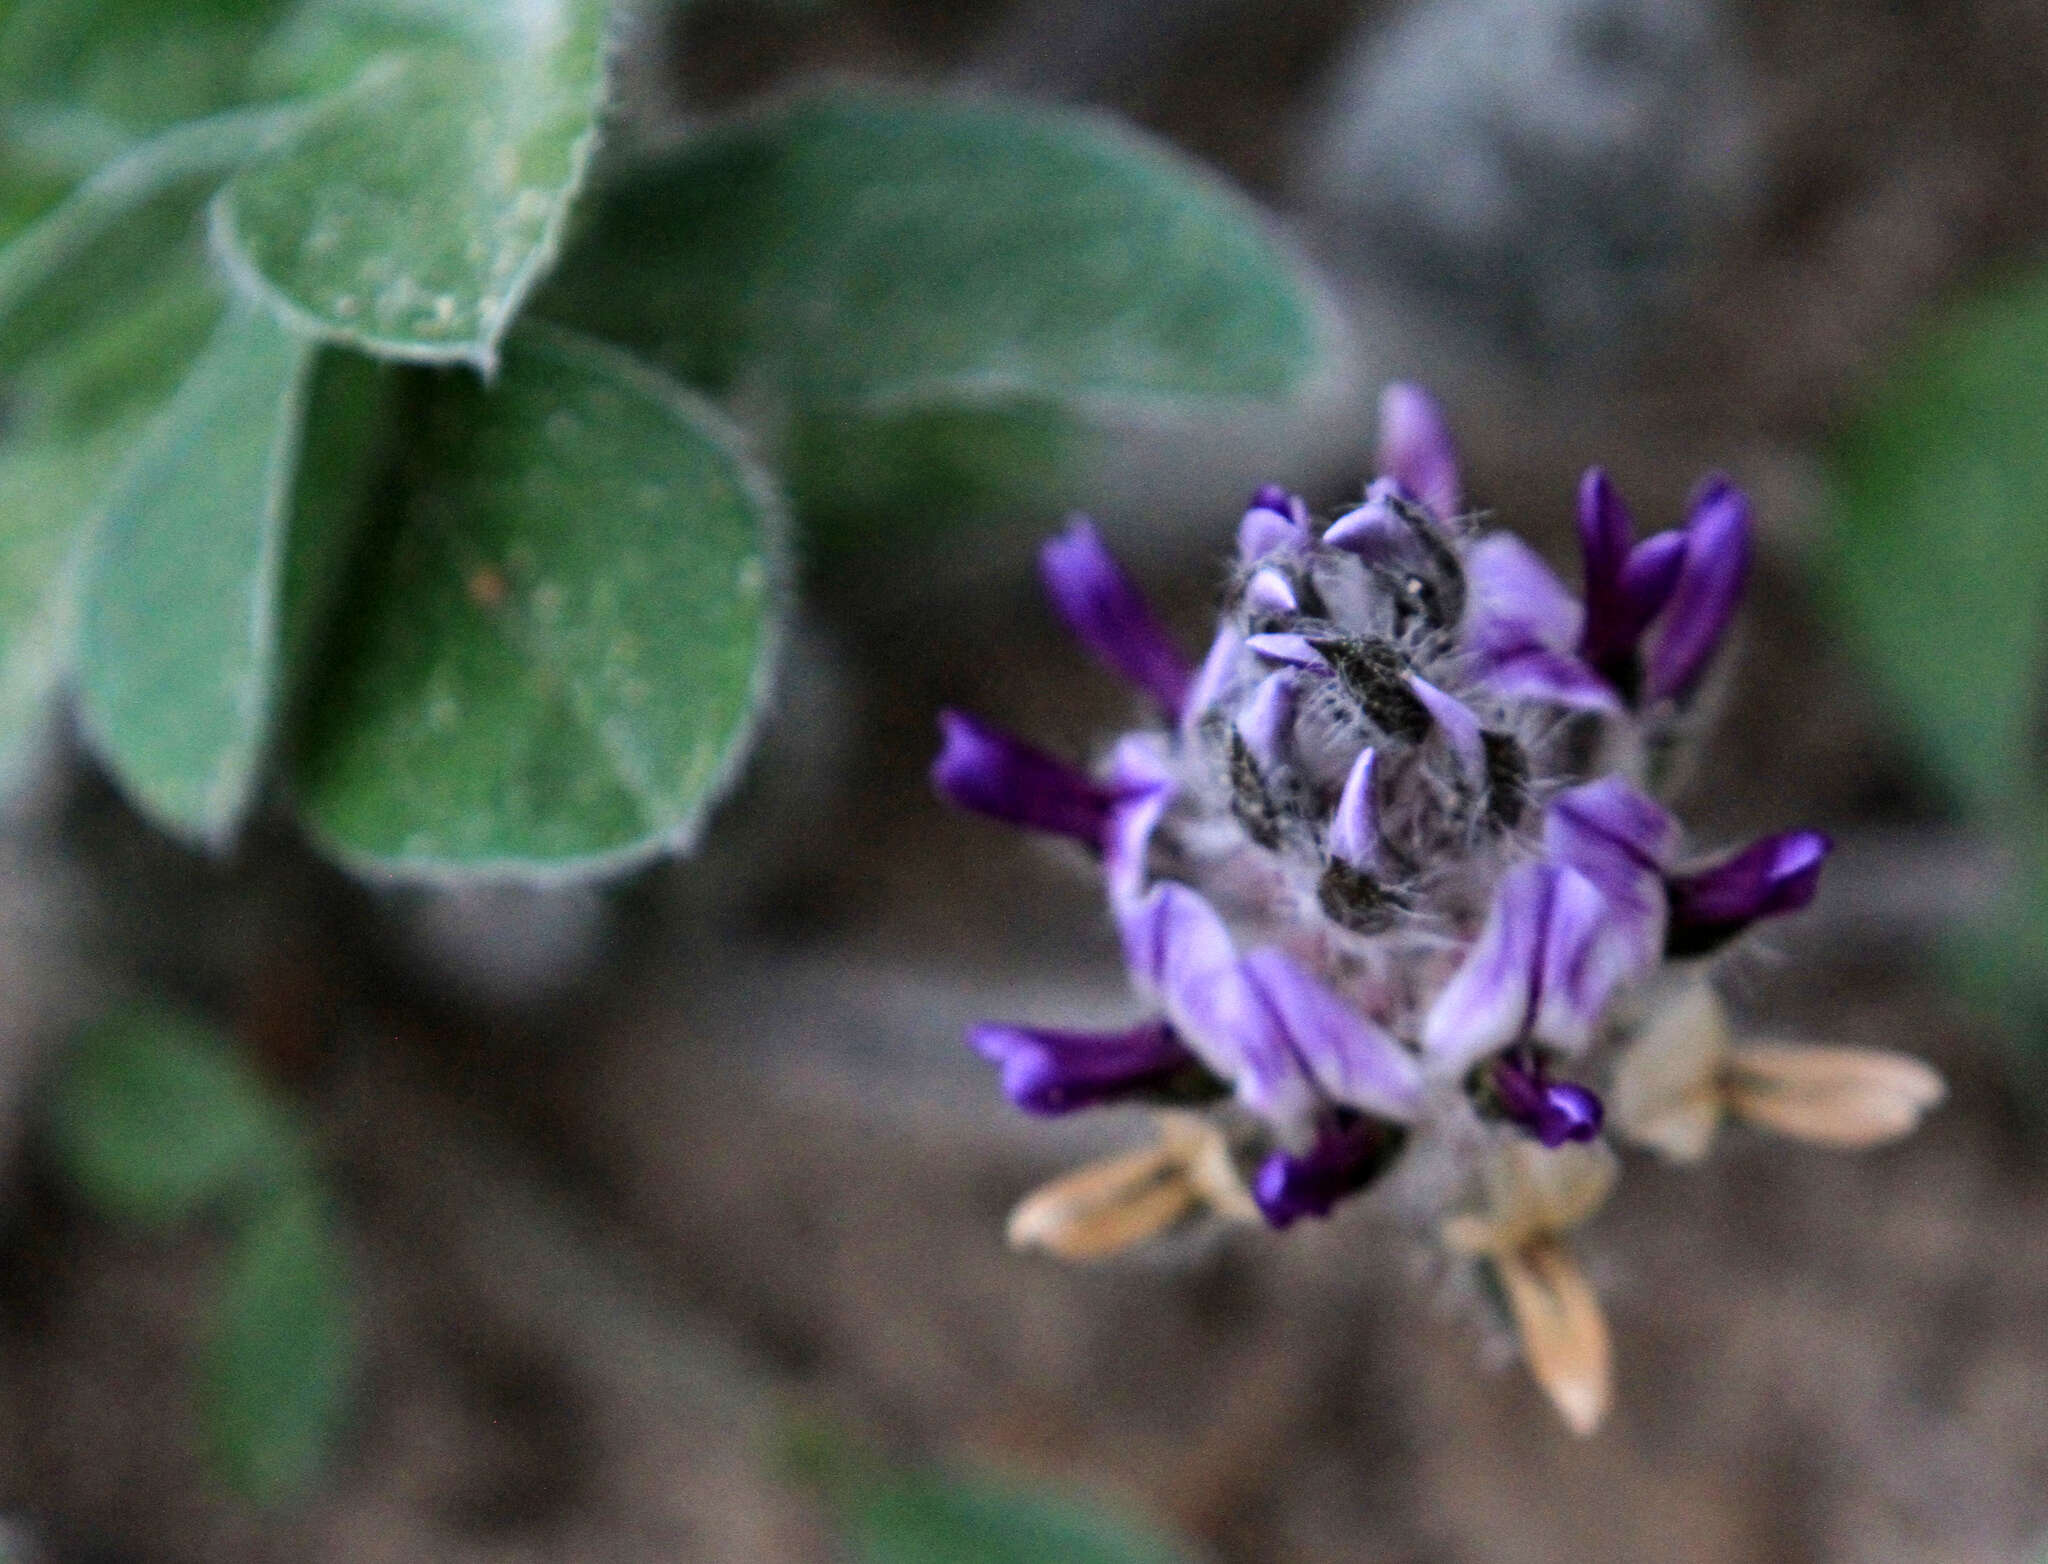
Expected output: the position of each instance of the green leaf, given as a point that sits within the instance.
(103, 306)
(179, 625)
(154, 1117)
(559, 655)
(862, 259)
(278, 1368)
(416, 211)
(1940, 564)
(931, 1520)
(103, 71)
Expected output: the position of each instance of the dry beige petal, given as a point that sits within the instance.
(1666, 1094)
(1848, 1098)
(1204, 1153)
(1472, 1236)
(1564, 1334)
(1533, 1191)
(1106, 1207)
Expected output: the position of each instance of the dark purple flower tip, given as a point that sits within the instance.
(1415, 448)
(1553, 1111)
(1275, 520)
(1627, 583)
(1056, 1072)
(1350, 1151)
(1711, 906)
(1708, 588)
(1606, 534)
(1107, 612)
(984, 769)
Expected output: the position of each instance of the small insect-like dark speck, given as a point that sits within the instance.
(1356, 900)
(1507, 779)
(1376, 675)
(1250, 800)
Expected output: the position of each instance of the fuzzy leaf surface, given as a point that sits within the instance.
(104, 305)
(558, 657)
(413, 214)
(861, 259)
(178, 627)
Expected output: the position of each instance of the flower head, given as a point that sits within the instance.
(1384, 872)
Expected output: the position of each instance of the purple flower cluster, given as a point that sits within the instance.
(1387, 860)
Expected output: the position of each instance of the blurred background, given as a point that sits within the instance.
(668, 1208)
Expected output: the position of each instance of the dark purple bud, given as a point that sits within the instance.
(1711, 906)
(1553, 1111)
(1606, 535)
(1276, 520)
(1709, 587)
(984, 769)
(1627, 583)
(1349, 1152)
(1057, 1072)
(1416, 449)
(1108, 613)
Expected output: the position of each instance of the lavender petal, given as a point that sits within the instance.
(1182, 957)
(1354, 827)
(1276, 522)
(1415, 448)
(1711, 906)
(1490, 998)
(1051, 1072)
(1267, 720)
(1457, 725)
(1349, 1058)
(1106, 611)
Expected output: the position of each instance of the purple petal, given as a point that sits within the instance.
(1619, 839)
(984, 769)
(1553, 1111)
(1267, 721)
(1588, 951)
(1709, 588)
(1294, 650)
(1277, 521)
(1459, 727)
(1106, 611)
(1349, 1152)
(1142, 779)
(1510, 584)
(1711, 906)
(1649, 577)
(1532, 672)
(1488, 1001)
(1543, 968)
(1181, 955)
(1057, 1072)
(1606, 534)
(1354, 827)
(1416, 450)
(1372, 531)
(1213, 678)
(1626, 583)
(1349, 1059)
